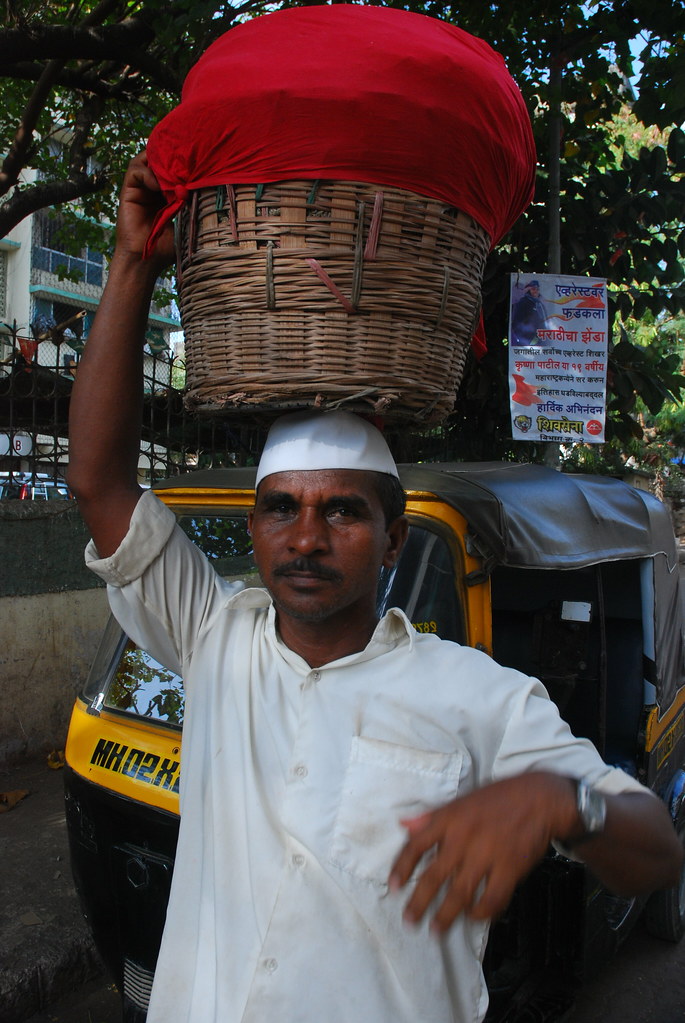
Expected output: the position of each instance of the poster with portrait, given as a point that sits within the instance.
(558, 344)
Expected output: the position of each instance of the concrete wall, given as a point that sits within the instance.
(52, 612)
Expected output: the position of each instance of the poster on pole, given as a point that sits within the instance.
(558, 347)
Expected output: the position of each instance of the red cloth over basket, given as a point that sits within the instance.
(348, 92)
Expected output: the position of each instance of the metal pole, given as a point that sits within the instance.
(554, 182)
(554, 199)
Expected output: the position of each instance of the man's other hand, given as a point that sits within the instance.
(480, 846)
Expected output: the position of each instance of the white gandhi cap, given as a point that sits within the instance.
(324, 440)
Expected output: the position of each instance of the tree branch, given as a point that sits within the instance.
(74, 42)
(102, 79)
(16, 159)
(85, 118)
(29, 200)
(23, 141)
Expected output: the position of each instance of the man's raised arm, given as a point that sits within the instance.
(106, 403)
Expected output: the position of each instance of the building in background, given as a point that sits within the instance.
(48, 299)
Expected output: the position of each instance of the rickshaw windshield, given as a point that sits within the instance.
(423, 584)
(128, 680)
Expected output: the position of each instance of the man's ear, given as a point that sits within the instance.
(397, 535)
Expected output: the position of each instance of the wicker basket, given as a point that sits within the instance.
(327, 294)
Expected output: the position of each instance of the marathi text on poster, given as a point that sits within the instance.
(558, 345)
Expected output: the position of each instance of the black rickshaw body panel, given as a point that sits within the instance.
(122, 857)
(571, 579)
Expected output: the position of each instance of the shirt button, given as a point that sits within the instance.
(271, 965)
(298, 860)
(301, 771)
(316, 675)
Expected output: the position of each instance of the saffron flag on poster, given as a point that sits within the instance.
(558, 344)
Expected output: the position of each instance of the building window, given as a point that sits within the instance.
(49, 255)
(53, 314)
(64, 313)
(156, 341)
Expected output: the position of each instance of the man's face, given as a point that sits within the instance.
(320, 540)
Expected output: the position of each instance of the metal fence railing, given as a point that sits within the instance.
(36, 378)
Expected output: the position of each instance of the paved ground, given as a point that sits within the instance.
(45, 947)
(97, 1002)
(645, 983)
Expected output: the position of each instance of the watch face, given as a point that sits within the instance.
(592, 808)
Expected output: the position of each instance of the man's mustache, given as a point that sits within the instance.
(308, 566)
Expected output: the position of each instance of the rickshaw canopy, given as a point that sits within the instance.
(531, 516)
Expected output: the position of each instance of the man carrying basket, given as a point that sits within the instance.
(357, 800)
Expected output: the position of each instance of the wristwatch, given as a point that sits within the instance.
(592, 810)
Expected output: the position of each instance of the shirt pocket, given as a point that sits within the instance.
(384, 783)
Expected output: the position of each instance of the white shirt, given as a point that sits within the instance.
(293, 782)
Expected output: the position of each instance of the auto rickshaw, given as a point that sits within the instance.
(573, 579)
